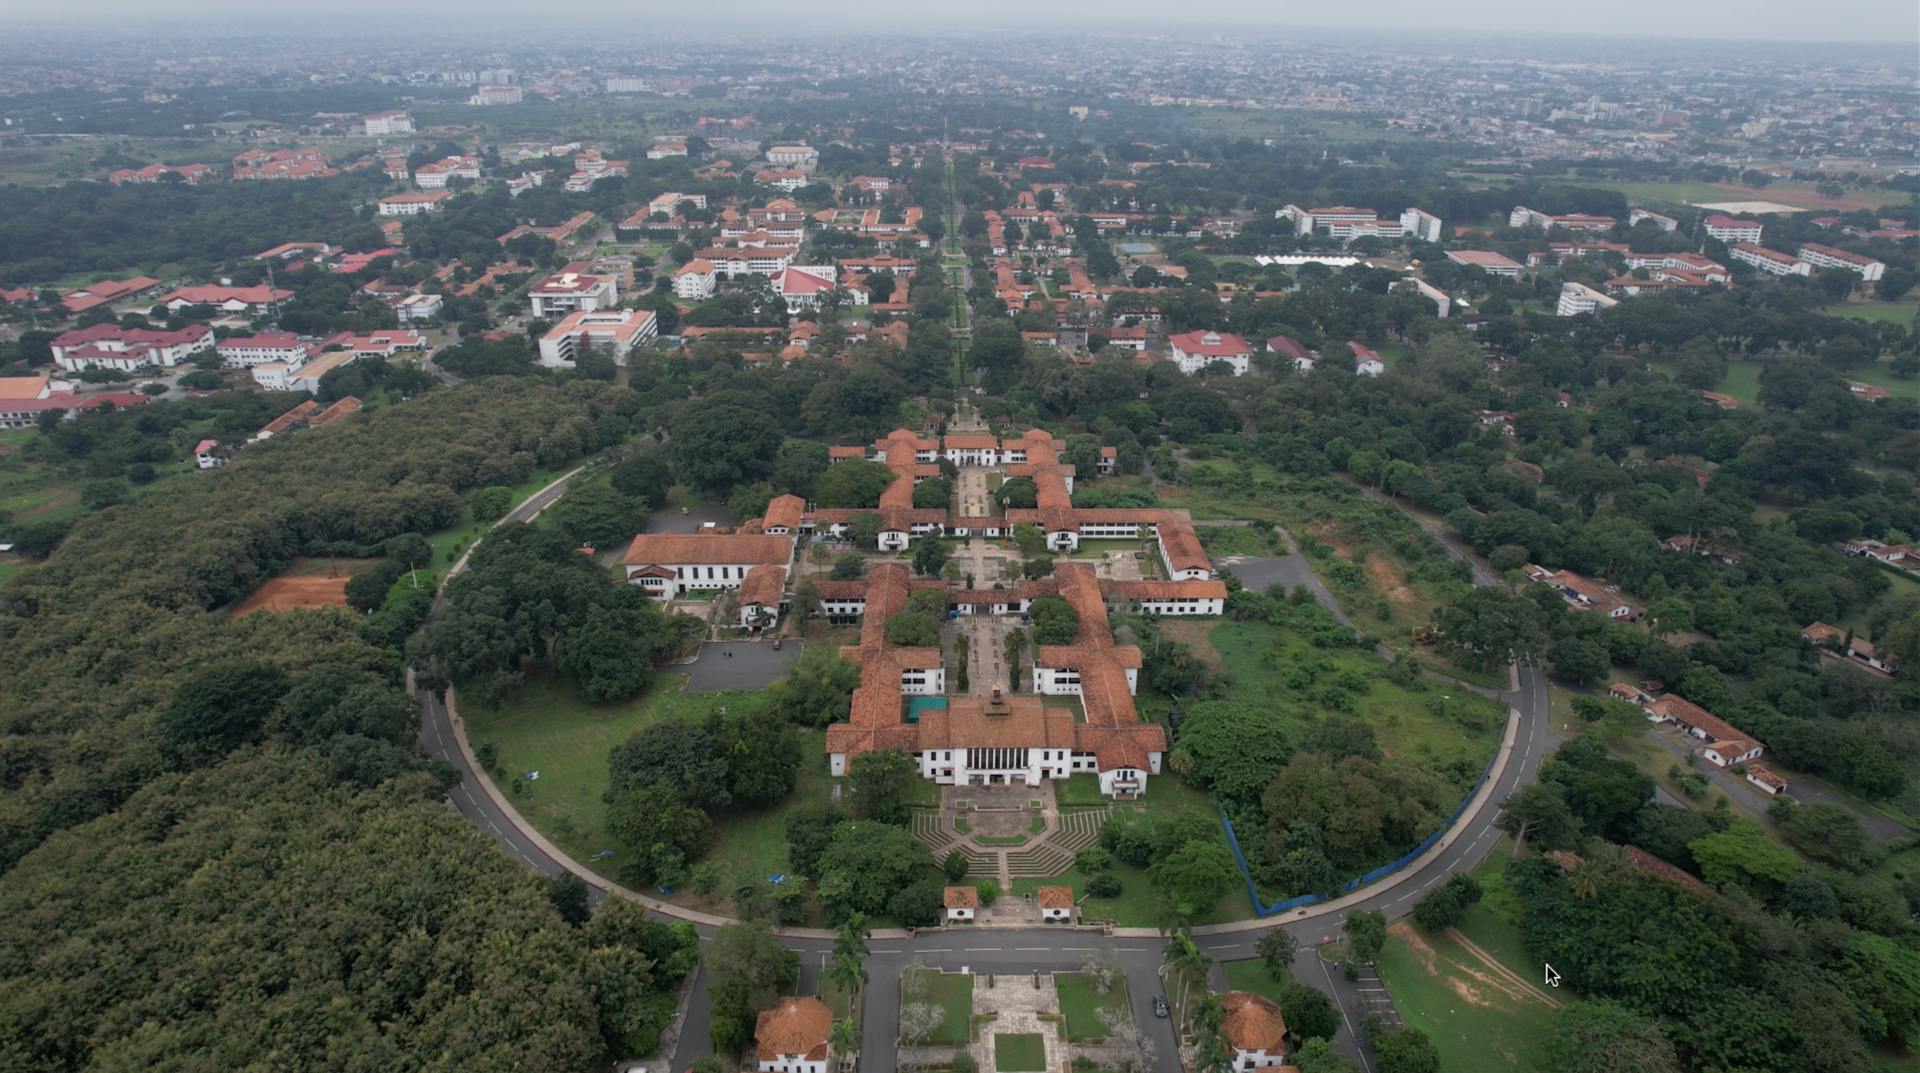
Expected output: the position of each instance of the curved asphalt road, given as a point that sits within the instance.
(1017, 951)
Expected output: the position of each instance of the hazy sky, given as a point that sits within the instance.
(1879, 21)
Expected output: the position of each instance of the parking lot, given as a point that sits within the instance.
(725, 665)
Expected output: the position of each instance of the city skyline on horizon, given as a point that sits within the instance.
(1864, 22)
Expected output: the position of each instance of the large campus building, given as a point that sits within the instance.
(1014, 739)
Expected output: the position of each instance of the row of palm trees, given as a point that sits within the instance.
(847, 971)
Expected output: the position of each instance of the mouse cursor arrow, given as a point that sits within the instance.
(1553, 978)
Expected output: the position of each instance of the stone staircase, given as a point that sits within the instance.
(1038, 861)
(1080, 827)
(929, 826)
(1047, 854)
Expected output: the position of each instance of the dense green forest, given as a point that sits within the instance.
(217, 836)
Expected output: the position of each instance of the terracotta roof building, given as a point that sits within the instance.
(666, 565)
(1726, 744)
(1254, 1029)
(792, 1036)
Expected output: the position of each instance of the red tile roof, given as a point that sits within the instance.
(691, 549)
(1252, 1023)
(793, 1026)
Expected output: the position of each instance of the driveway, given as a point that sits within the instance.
(739, 665)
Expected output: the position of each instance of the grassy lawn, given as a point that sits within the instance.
(1464, 1003)
(1743, 377)
(1136, 906)
(1252, 976)
(1901, 312)
(1477, 1017)
(1081, 789)
(1494, 922)
(1099, 549)
(953, 993)
(547, 728)
(840, 1002)
(1081, 1006)
(1446, 729)
(1019, 1053)
(1472, 1025)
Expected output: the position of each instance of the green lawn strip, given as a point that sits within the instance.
(1019, 1053)
(1081, 789)
(953, 993)
(1499, 1027)
(1901, 312)
(1000, 840)
(546, 728)
(837, 1000)
(1251, 975)
(1080, 1005)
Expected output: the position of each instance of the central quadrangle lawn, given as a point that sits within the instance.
(1021, 1053)
(953, 993)
(548, 729)
(1080, 1005)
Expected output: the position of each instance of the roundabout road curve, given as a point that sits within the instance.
(1022, 950)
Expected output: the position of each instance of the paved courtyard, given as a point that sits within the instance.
(723, 665)
(971, 491)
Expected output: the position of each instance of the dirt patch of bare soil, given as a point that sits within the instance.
(1474, 976)
(1387, 580)
(295, 594)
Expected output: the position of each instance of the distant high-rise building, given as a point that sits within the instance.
(384, 124)
(1421, 224)
(498, 94)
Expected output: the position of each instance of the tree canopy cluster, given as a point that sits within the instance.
(239, 800)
